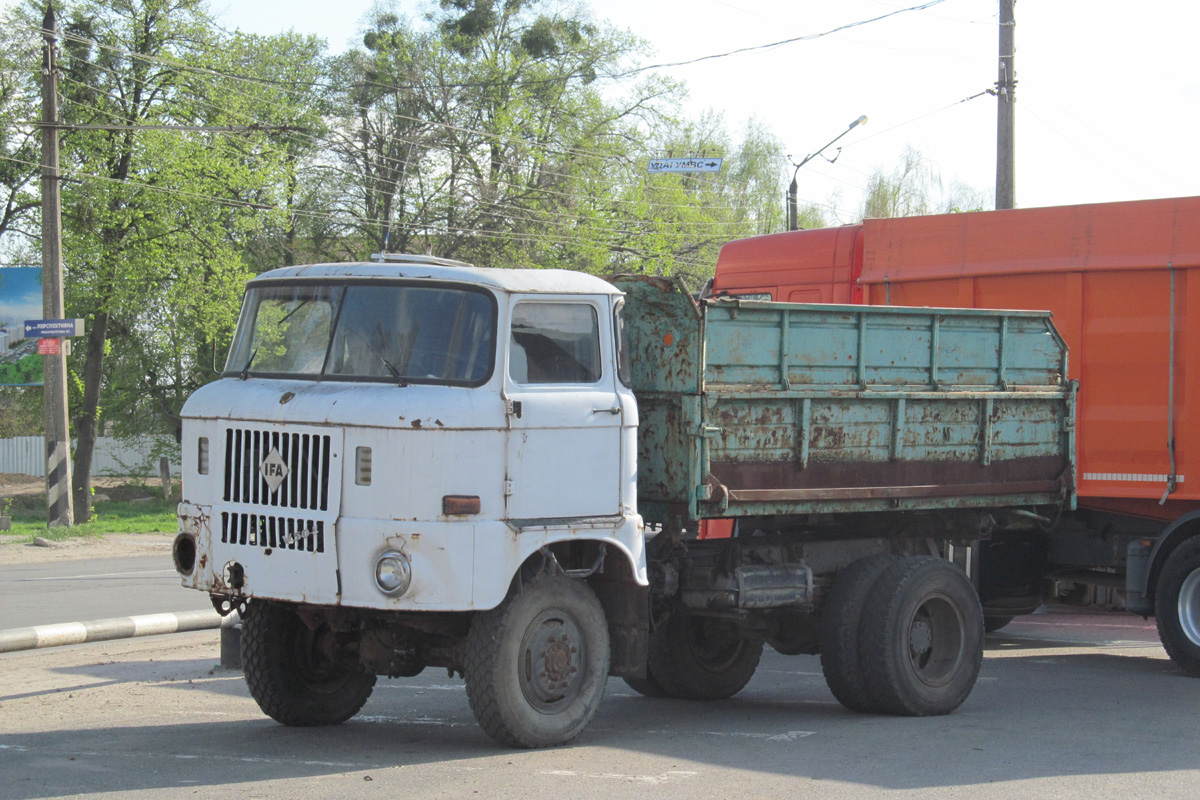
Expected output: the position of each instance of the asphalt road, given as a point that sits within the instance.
(86, 589)
(1067, 706)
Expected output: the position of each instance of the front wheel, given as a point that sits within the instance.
(1177, 606)
(288, 674)
(702, 658)
(537, 664)
(921, 644)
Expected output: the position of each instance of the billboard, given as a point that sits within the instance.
(20, 299)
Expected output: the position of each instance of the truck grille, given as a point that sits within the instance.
(284, 533)
(306, 456)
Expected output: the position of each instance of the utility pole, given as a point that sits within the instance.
(59, 511)
(1006, 99)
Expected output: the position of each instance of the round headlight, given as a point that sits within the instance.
(393, 573)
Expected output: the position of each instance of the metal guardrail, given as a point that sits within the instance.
(39, 636)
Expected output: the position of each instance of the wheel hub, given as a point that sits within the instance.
(1189, 607)
(552, 654)
(557, 658)
(935, 641)
(921, 637)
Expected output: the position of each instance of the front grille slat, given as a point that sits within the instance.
(307, 457)
(273, 532)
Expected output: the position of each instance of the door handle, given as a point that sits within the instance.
(613, 410)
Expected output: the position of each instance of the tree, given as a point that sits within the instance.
(153, 218)
(20, 201)
(914, 188)
(675, 224)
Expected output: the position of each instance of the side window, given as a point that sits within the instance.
(554, 343)
(623, 372)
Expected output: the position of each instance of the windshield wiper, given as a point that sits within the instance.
(246, 369)
(400, 381)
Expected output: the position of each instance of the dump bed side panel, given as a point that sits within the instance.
(795, 409)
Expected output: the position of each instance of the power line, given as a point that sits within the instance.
(794, 39)
(383, 157)
(418, 228)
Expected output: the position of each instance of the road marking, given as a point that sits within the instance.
(670, 776)
(102, 575)
(454, 687)
(407, 721)
(218, 757)
(790, 736)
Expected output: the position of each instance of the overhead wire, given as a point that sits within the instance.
(177, 65)
(412, 141)
(394, 161)
(417, 227)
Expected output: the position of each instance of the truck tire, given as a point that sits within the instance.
(537, 664)
(840, 626)
(1177, 606)
(993, 624)
(288, 678)
(921, 643)
(702, 658)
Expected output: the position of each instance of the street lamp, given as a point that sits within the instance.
(791, 210)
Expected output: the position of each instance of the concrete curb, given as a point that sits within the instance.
(99, 630)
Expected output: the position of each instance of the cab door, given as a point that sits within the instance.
(564, 411)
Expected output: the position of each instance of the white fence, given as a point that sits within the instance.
(26, 455)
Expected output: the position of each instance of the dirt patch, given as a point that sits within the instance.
(15, 550)
(15, 485)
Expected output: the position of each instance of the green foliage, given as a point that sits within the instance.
(495, 131)
(21, 411)
(27, 370)
(914, 188)
(129, 508)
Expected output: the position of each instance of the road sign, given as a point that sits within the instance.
(56, 328)
(49, 347)
(685, 165)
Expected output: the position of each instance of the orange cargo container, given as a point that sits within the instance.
(1120, 279)
(1123, 282)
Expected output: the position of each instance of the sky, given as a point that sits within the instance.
(1106, 96)
(20, 295)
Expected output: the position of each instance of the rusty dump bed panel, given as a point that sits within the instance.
(754, 408)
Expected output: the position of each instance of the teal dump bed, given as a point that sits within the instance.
(753, 408)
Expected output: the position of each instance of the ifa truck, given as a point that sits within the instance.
(1123, 283)
(412, 462)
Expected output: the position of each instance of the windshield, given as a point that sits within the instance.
(392, 333)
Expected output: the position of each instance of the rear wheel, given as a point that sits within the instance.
(537, 664)
(1177, 606)
(922, 641)
(289, 677)
(702, 658)
(841, 622)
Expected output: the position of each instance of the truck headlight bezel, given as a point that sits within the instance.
(393, 573)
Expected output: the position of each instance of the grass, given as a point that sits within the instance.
(128, 508)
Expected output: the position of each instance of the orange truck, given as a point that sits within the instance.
(1123, 283)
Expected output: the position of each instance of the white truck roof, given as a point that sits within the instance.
(536, 281)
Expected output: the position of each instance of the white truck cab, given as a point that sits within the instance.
(404, 435)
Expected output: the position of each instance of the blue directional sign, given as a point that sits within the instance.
(53, 328)
(684, 165)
